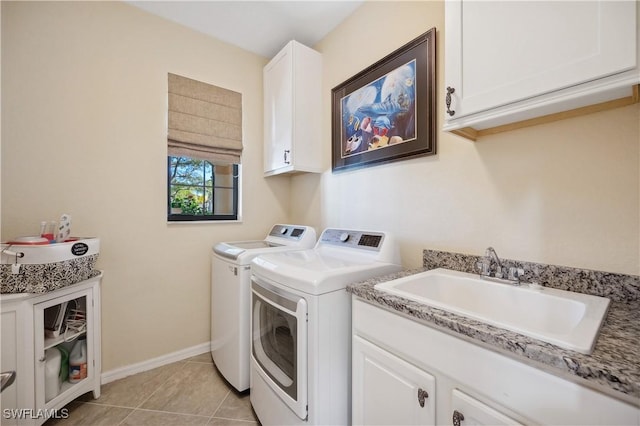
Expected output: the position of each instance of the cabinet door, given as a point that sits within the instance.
(9, 362)
(278, 110)
(81, 300)
(467, 411)
(501, 52)
(388, 390)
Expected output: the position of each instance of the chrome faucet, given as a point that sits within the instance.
(492, 259)
(491, 268)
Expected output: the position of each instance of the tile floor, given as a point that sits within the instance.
(189, 392)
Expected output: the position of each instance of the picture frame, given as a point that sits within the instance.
(387, 112)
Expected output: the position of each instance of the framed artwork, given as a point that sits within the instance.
(387, 111)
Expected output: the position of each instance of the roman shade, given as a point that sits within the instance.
(205, 121)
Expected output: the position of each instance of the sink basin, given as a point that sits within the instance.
(563, 318)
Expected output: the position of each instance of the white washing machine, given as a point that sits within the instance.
(231, 296)
(301, 325)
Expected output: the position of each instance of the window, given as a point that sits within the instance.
(204, 144)
(201, 190)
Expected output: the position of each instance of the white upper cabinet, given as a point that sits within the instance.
(292, 114)
(512, 61)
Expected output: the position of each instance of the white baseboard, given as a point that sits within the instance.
(122, 372)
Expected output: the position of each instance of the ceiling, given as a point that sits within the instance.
(262, 27)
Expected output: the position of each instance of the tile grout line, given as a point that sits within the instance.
(234, 420)
(162, 385)
(138, 407)
(219, 405)
(126, 417)
(213, 414)
(168, 412)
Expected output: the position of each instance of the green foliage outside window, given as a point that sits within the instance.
(200, 190)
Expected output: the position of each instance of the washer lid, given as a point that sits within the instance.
(279, 238)
(234, 249)
(317, 271)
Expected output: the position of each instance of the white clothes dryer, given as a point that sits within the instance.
(231, 296)
(301, 325)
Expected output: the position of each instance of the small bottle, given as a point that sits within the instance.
(52, 373)
(78, 360)
(50, 234)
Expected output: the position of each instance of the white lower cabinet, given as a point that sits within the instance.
(396, 361)
(388, 390)
(81, 301)
(469, 411)
(10, 357)
(38, 394)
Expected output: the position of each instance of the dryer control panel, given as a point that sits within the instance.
(363, 240)
(288, 231)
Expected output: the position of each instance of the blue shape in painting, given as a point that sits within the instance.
(381, 113)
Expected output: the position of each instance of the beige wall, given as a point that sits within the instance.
(84, 132)
(0, 119)
(564, 193)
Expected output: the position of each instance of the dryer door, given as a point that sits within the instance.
(279, 335)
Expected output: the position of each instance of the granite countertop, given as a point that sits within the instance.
(613, 367)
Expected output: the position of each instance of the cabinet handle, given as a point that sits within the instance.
(422, 395)
(286, 151)
(447, 100)
(457, 417)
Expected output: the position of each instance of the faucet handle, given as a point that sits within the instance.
(515, 273)
(483, 267)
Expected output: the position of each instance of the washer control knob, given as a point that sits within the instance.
(344, 237)
(283, 230)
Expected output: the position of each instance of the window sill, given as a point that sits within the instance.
(202, 222)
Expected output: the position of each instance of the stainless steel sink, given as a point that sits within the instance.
(563, 318)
